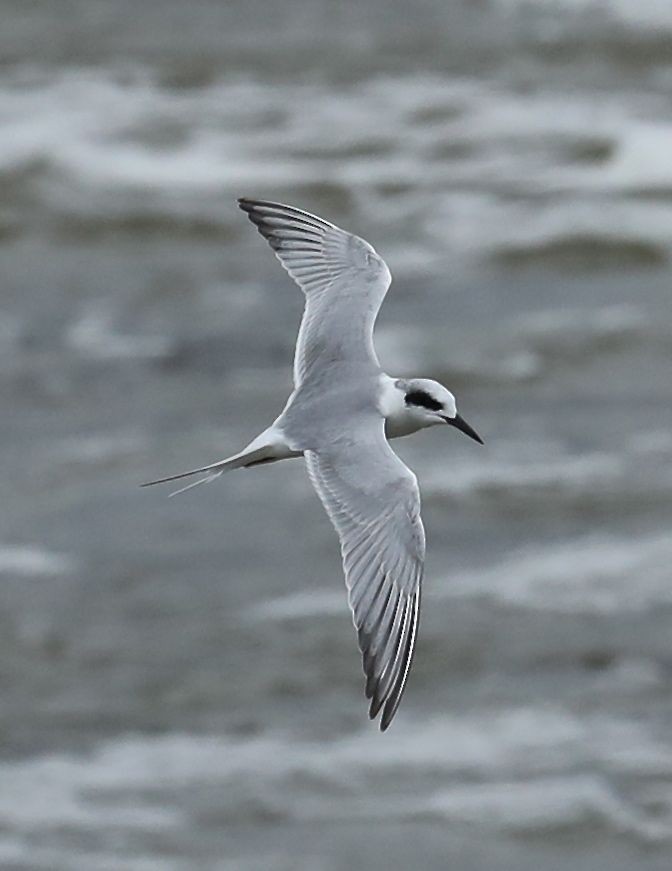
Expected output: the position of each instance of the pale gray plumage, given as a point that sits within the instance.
(344, 281)
(383, 549)
(371, 497)
(339, 417)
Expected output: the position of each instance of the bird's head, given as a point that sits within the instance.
(430, 403)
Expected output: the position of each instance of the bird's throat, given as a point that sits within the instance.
(399, 419)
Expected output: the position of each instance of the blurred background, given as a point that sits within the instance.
(180, 686)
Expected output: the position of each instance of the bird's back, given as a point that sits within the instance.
(330, 403)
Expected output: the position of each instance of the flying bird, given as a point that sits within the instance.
(339, 417)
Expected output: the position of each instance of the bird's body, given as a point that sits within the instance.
(339, 417)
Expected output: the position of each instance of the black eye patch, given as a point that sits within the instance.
(419, 397)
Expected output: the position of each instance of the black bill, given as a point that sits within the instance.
(461, 424)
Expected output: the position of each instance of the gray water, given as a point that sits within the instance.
(179, 681)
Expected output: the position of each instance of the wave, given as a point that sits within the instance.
(301, 605)
(96, 449)
(561, 332)
(639, 16)
(93, 334)
(636, 474)
(565, 477)
(30, 560)
(463, 169)
(590, 574)
(526, 348)
(542, 807)
(522, 770)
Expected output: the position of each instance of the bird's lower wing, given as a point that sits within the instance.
(372, 499)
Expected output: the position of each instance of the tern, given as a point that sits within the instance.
(339, 417)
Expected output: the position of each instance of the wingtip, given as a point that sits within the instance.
(383, 724)
(256, 209)
(388, 712)
(388, 715)
(247, 203)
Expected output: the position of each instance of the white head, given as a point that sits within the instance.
(426, 403)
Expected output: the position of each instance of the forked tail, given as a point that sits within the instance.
(237, 461)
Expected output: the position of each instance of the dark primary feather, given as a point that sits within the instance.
(342, 277)
(312, 250)
(373, 501)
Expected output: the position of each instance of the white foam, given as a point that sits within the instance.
(543, 805)
(633, 470)
(595, 324)
(530, 754)
(16, 853)
(590, 574)
(98, 448)
(642, 159)
(10, 332)
(594, 573)
(654, 15)
(94, 335)
(29, 561)
(300, 605)
(657, 442)
(514, 477)
(98, 131)
(636, 15)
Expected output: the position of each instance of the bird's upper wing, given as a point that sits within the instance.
(373, 500)
(343, 278)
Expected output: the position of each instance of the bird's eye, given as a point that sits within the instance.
(423, 400)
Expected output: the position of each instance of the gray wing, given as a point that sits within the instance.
(343, 278)
(373, 500)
